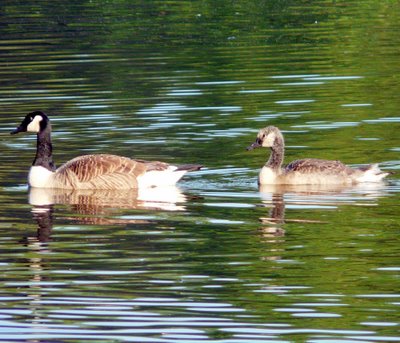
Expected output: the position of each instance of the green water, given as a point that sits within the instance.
(215, 259)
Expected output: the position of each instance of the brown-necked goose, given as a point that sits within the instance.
(309, 170)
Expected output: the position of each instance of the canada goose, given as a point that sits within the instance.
(309, 170)
(101, 171)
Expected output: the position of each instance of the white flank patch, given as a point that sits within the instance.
(156, 178)
(40, 177)
(34, 125)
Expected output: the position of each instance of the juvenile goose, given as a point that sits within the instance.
(309, 170)
(101, 171)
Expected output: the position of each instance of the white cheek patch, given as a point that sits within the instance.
(269, 141)
(34, 125)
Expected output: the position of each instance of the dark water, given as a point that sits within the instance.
(214, 259)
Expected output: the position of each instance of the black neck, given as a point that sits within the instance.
(44, 150)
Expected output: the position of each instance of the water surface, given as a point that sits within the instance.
(214, 259)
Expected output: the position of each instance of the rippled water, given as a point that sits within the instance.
(214, 259)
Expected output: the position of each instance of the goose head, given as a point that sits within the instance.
(35, 122)
(267, 137)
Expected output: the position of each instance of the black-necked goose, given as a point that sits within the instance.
(309, 170)
(102, 171)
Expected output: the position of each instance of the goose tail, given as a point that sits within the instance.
(166, 177)
(371, 173)
(189, 167)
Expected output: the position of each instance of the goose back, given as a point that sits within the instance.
(313, 170)
(101, 171)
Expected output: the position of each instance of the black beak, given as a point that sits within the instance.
(18, 129)
(256, 144)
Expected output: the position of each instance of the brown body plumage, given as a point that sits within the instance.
(106, 171)
(100, 172)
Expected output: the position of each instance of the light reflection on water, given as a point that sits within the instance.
(215, 259)
(142, 269)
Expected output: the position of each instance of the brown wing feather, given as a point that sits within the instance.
(154, 165)
(317, 166)
(100, 171)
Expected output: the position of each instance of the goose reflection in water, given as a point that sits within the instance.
(275, 197)
(101, 201)
(91, 207)
(98, 206)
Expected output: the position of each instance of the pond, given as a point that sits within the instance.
(214, 259)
